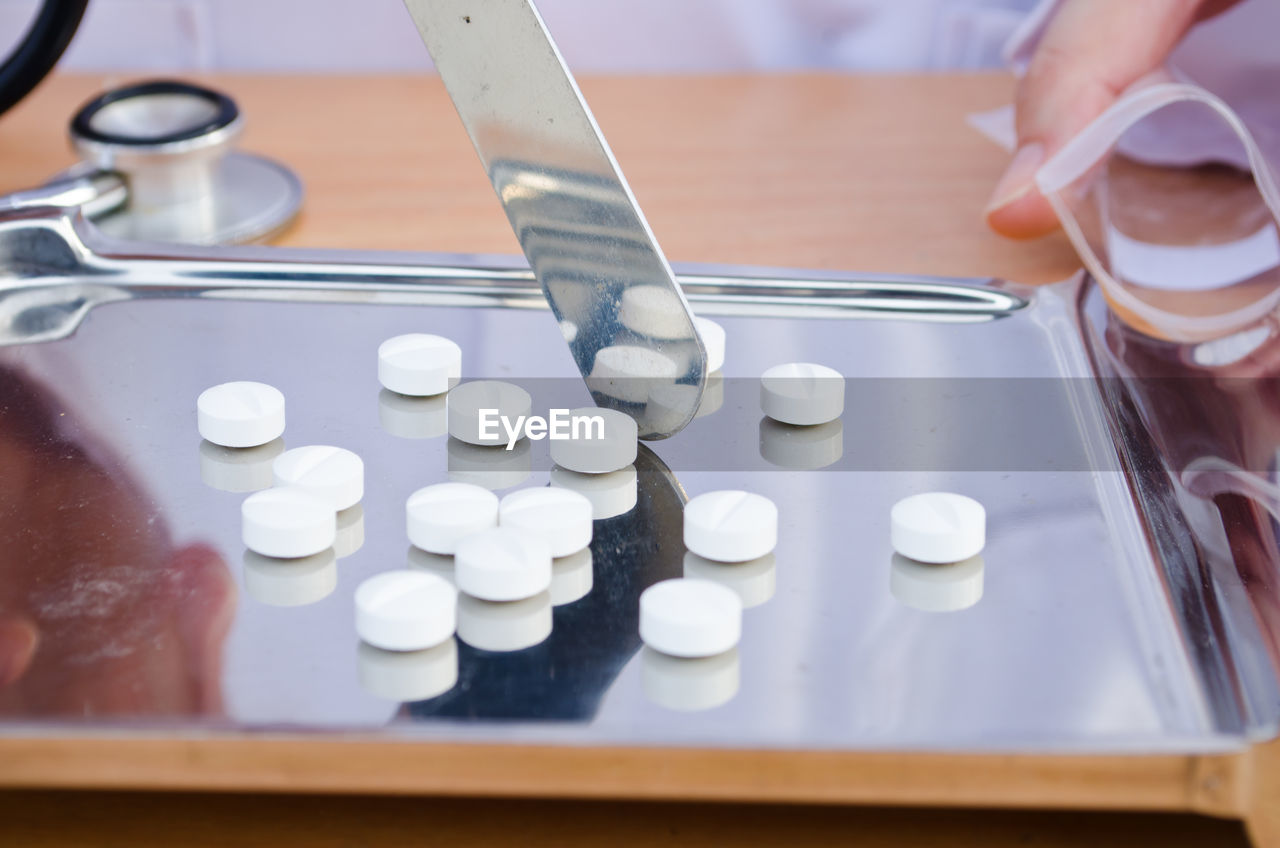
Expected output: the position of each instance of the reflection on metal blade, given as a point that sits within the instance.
(578, 224)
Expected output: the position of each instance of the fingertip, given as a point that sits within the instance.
(1028, 216)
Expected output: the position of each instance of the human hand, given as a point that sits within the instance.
(1091, 52)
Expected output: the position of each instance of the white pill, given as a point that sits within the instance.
(290, 582)
(412, 417)
(560, 517)
(476, 411)
(630, 373)
(238, 470)
(502, 564)
(418, 364)
(802, 393)
(755, 580)
(509, 626)
(689, 684)
(690, 618)
(712, 335)
(654, 311)
(288, 523)
(730, 526)
(932, 587)
(802, 448)
(442, 515)
(335, 474)
(938, 527)
(408, 675)
(611, 495)
(405, 610)
(600, 440)
(240, 415)
(571, 577)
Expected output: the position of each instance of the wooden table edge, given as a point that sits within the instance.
(1213, 784)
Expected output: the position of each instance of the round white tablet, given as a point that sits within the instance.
(938, 527)
(560, 517)
(802, 393)
(690, 618)
(630, 373)
(654, 311)
(571, 577)
(802, 448)
(930, 587)
(730, 526)
(477, 410)
(408, 675)
(502, 564)
(494, 468)
(238, 470)
(412, 417)
(611, 495)
(287, 523)
(335, 474)
(712, 335)
(419, 364)
(755, 580)
(290, 582)
(442, 515)
(689, 684)
(240, 415)
(600, 440)
(509, 626)
(405, 610)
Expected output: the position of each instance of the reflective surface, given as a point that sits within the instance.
(126, 598)
(572, 212)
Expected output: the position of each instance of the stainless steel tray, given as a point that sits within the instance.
(132, 567)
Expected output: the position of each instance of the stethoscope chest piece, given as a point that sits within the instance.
(171, 145)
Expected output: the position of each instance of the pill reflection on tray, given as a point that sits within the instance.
(412, 417)
(290, 582)
(755, 581)
(493, 467)
(689, 684)
(408, 675)
(801, 448)
(612, 494)
(238, 470)
(934, 587)
(572, 577)
(505, 626)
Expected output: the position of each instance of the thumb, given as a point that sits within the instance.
(1091, 52)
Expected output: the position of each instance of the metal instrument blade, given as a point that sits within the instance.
(608, 284)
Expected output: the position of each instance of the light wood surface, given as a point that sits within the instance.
(856, 173)
(853, 173)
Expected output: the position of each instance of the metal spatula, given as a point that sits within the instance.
(610, 287)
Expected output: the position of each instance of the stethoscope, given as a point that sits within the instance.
(159, 164)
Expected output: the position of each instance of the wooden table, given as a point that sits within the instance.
(865, 173)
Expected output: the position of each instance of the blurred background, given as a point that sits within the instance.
(601, 36)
